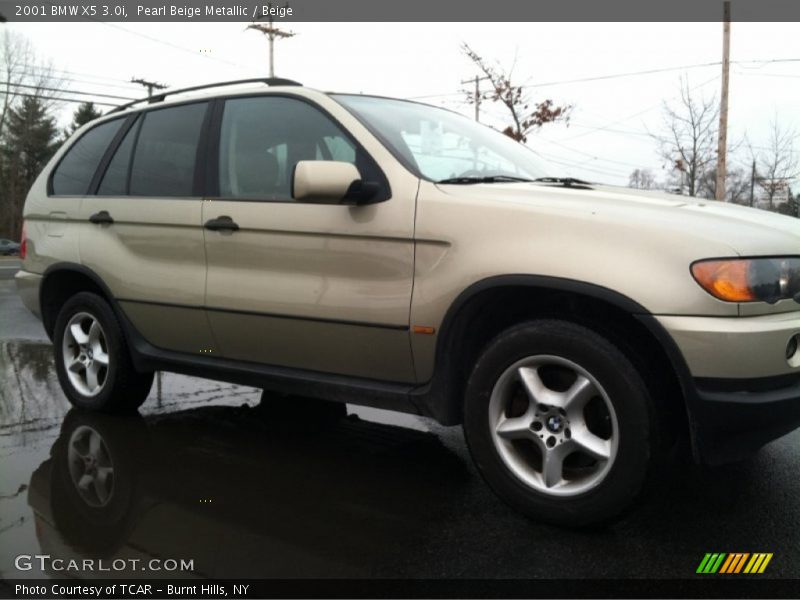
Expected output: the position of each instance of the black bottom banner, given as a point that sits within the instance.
(701, 587)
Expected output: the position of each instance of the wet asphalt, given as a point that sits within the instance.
(250, 486)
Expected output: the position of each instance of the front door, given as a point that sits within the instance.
(319, 287)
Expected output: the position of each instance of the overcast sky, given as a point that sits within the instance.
(608, 134)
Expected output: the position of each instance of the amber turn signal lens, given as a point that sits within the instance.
(725, 279)
(424, 329)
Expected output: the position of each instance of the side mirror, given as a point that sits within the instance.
(327, 182)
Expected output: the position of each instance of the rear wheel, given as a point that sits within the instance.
(559, 423)
(92, 359)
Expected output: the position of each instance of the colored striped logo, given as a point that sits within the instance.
(735, 562)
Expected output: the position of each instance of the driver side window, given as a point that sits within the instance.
(263, 138)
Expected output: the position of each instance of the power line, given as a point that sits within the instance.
(589, 154)
(170, 44)
(641, 112)
(638, 134)
(69, 75)
(592, 78)
(620, 75)
(70, 79)
(58, 99)
(783, 75)
(761, 63)
(51, 89)
(610, 170)
(157, 40)
(590, 169)
(627, 132)
(717, 63)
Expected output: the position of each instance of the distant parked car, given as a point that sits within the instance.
(9, 248)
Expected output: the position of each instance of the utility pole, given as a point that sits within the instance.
(752, 182)
(272, 33)
(722, 146)
(150, 85)
(477, 80)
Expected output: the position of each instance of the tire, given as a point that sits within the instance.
(589, 413)
(102, 376)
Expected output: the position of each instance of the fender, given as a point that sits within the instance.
(447, 409)
(61, 267)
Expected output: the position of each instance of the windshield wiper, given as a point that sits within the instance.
(565, 181)
(485, 179)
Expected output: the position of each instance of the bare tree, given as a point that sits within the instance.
(25, 74)
(689, 141)
(15, 63)
(29, 96)
(737, 185)
(777, 162)
(642, 179)
(526, 115)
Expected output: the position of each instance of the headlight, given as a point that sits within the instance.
(749, 279)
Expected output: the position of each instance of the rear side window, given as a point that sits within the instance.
(74, 173)
(115, 180)
(164, 158)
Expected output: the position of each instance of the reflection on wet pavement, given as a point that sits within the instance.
(288, 487)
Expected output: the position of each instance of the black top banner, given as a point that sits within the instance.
(399, 10)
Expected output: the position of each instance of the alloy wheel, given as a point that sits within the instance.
(85, 354)
(553, 425)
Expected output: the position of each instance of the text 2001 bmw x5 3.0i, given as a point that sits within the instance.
(393, 254)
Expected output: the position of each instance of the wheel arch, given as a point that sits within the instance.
(491, 305)
(60, 281)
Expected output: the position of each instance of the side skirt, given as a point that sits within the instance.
(411, 399)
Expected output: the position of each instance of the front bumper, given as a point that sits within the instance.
(734, 347)
(741, 389)
(732, 418)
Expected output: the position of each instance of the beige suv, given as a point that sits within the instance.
(387, 253)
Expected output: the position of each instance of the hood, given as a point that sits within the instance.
(747, 231)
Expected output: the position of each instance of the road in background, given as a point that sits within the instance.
(8, 267)
(16, 321)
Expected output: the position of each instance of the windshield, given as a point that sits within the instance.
(441, 145)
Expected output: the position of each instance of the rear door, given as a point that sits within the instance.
(319, 287)
(142, 229)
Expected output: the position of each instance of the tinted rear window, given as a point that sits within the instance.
(74, 173)
(163, 163)
(115, 180)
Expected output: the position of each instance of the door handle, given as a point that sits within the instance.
(101, 218)
(223, 223)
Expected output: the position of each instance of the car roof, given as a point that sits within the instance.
(210, 90)
(239, 87)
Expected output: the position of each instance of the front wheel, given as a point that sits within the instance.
(93, 362)
(559, 423)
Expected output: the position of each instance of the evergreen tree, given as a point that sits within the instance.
(29, 140)
(83, 114)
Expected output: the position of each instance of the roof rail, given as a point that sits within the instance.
(271, 81)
